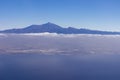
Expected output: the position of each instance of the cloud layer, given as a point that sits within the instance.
(52, 43)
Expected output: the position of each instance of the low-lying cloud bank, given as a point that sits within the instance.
(58, 35)
(52, 43)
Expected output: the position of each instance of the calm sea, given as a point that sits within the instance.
(59, 67)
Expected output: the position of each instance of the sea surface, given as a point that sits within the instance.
(59, 67)
(49, 56)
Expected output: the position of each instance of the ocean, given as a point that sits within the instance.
(59, 67)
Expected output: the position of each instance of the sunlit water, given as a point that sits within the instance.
(59, 67)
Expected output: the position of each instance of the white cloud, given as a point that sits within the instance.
(47, 34)
(68, 35)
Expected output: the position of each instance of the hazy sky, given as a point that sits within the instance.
(92, 14)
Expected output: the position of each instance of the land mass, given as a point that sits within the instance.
(53, 28)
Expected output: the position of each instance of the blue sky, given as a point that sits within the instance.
(92, 14)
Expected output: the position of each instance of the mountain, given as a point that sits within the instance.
(53, 28)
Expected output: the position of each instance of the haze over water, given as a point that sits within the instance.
(46, 56)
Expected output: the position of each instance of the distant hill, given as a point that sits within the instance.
(53, 28)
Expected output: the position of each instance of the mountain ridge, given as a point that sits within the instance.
(53, 28)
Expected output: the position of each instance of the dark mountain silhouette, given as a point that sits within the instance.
(53, 28)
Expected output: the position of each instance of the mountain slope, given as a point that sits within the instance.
(53, 28)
